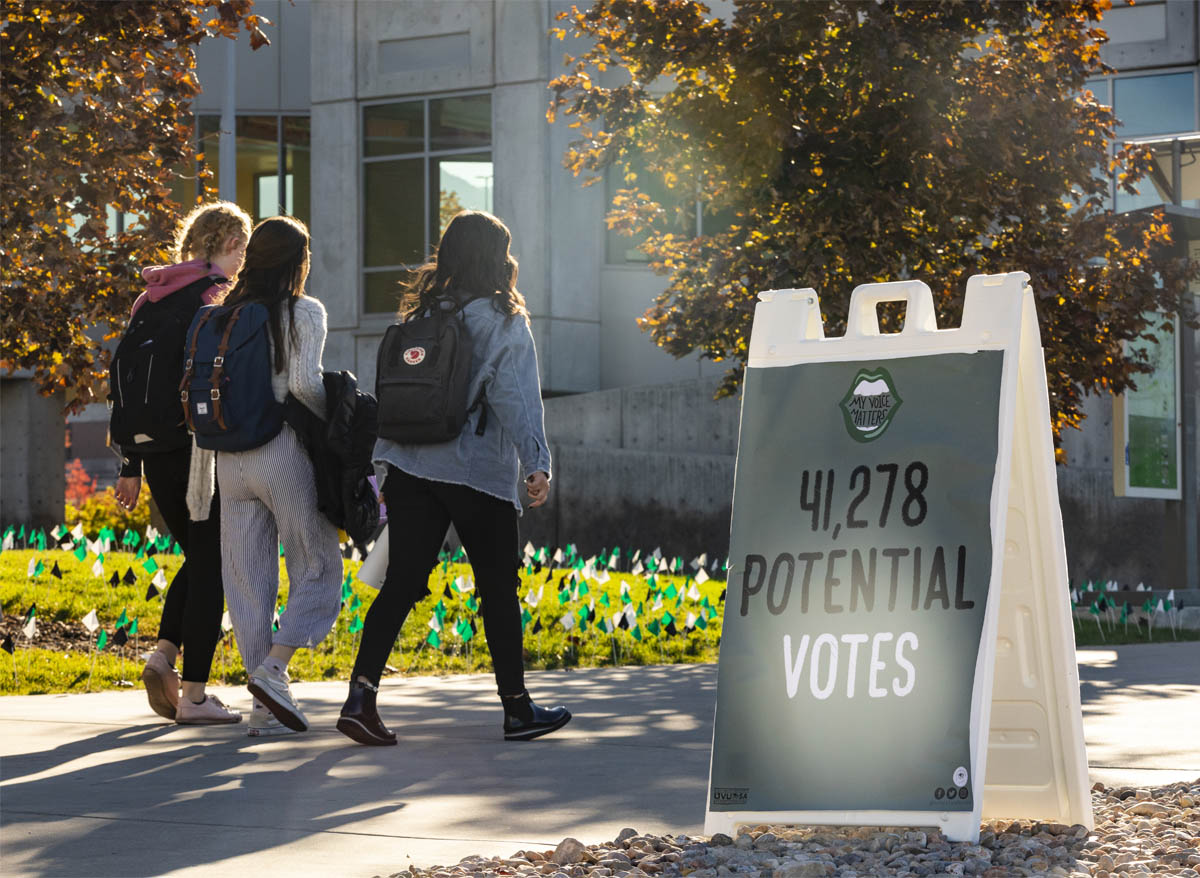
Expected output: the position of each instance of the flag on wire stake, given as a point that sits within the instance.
(91, 622)
(29, 625)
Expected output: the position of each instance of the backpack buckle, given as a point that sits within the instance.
(215, 393)
(218, 361)
(188, 364)
(183, 395)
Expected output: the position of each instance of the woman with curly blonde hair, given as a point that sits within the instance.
(209, 246)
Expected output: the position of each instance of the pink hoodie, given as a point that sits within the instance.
(162, 280)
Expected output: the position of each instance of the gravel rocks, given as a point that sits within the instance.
(1138, 832)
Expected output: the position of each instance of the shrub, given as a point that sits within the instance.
(101, 509)
(80, 486)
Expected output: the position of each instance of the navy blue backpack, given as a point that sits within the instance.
(226, 390)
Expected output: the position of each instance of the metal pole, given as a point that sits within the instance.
(227, 150)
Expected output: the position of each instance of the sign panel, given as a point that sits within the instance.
(867, 551)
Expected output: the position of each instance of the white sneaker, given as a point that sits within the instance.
(209, 712)
(162, 685)
(263, 724)
(276, 696)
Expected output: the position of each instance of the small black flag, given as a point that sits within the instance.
(549, 573)
(152, 591)
(55, 572)
(7, 645)
(591, 614)
(537, 625)
(447, 593)
(722, 596)
(670, 628)
(130, 577)
(114, 580)
(624, 623)
(120, 638)
(151, 550)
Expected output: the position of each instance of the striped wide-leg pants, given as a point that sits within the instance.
(268, 498)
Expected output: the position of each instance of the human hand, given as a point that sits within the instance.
(538, 486)
(127, 490)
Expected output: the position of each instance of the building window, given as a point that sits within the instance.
(423, 161)
(265, 143)
(1147, 425)
(1148, 106)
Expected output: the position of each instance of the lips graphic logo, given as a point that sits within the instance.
(412, 356)
(870, 404)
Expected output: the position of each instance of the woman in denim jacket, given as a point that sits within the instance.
(470, 481)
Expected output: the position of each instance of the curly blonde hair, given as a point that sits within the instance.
(203, 232)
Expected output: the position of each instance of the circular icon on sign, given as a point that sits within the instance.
(964, 793)
(952, 793)
(412, 356)
(960, 777)
(939, 793)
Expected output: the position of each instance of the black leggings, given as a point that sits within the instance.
(192, 609)
(419, 513)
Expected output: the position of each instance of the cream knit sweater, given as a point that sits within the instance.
(301, 376)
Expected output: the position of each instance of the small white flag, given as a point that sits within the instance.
(616, 618)
(531, 598)
(160, 579)
(624, 588)
(657, 553)
(699, 561)
(558, 556)
(1112, 585)
(529, 551)
(469, 586)
(9, 542)
(29, 629)
(226, 622)
(658, 605)
(1141, 587)
(151, 532)
(355, 555)
(32, 567)
(701, 577)
(98, 569)
(589, 569)
(1159, 608)
(631, 614)
(601, 577)
(637, 569)
(1171, 596)
(369, 546)
(1074, 596)
(691, 620)
(91, 621)
(459, 584)
(77, 531)
(567, 621)
(435, 623)
(693, 593)
(636, 555)
(607, 625)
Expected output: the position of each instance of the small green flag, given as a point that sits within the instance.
(433, 639)
(133, 626)
(150, 566)
(636, 633)
(439, 610)
(701, 622)
(652, 627)
(123, 619)
(583, 589)
(102, 639)
(564, 596)
(178, 550)
(526, 618)
(356, 624)
(604, 601)
(355, 603)
(465, 631)
(281, 550)
(1094, 609)
(667, 619)
(81, 552)
(671, 592)
(1125, 612)
(347, 592)
(472, 603)
(41, 541)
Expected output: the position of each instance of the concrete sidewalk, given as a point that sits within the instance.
(96, 785)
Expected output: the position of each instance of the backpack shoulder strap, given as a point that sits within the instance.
(219, 365)
(189, 367)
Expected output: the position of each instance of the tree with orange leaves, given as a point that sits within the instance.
(846, 143)
(96, 117)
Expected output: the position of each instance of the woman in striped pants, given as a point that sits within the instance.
(268, 494)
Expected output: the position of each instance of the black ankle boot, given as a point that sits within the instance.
(360, 721)
(524, 720)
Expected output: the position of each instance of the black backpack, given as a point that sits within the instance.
(422, 378)
(143, 379)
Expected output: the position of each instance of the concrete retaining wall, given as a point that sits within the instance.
(32, 476)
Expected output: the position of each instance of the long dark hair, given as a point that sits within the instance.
(472, 262)
(273, 274)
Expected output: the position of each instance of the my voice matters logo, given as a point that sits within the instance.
(870, 404)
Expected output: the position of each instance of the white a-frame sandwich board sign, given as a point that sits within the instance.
(898, 620)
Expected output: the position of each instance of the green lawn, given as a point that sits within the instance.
(41, 670)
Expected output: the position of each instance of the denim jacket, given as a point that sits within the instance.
(504, 371)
